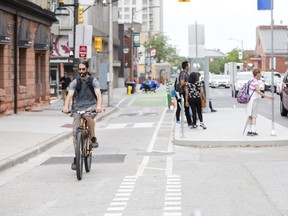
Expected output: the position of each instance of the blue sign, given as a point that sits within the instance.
(264, 4)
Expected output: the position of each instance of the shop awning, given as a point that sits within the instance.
(24, 38)
(41, 38)
(4, 29)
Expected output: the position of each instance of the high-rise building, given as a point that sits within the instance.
(147, 12)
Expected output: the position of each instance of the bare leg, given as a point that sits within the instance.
(91, 126)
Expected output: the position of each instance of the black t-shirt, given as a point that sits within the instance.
(66, 82)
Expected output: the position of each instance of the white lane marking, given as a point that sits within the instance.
(121, 199)
(118, 203)
(125, 190)
(172, 205)
(127, 186)
(122, 194)
(173, 186)
(145, 160)
(115, 214)
(172, 208)
(120, 102)
(172, 214)
(116, 208)
(143, 125)
(114, 126)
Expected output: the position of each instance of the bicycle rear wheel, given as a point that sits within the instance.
(79, 156)
(88, 158)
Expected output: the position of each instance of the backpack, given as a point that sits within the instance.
(243, 96)
(78, 88)
(177, 85)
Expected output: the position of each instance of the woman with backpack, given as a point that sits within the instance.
(252, 105)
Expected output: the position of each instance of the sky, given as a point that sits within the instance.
(223, 21)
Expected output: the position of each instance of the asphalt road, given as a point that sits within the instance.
(137, 171)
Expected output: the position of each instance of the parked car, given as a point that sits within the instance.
(220, 80)
(202, 76)
(284, 95)
(268, 80)
(241, 79)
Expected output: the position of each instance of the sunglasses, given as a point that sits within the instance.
(81, 69)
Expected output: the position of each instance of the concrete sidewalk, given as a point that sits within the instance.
(225, 129)
(29, 133)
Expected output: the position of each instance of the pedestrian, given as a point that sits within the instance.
(64, 81)
(86, 95)
(183, 79)
(194, 91)
(177, 99)
(252, 105)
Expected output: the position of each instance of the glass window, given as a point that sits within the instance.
(133, 2)
(126, 9)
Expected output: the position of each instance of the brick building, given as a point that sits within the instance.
(24, 55)
(263, 48)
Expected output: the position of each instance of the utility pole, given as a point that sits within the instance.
(110, 51)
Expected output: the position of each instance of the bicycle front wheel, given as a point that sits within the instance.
(88, 156)
(79, 156)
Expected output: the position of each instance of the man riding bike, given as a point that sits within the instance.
(86, 95)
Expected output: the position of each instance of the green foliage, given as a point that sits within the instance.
(164, 51)
(232, 56)
(217, 66)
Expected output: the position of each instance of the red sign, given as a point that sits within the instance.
(153, 52)
(82, 51)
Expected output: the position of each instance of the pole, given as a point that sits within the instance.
(75, 66)
(273, 132)
(110, 51)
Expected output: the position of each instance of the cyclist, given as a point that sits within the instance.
(80, 91)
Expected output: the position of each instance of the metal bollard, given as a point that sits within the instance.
(182, 116)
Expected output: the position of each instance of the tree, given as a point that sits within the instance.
(232, 56)
(164, 51)
(217, 66)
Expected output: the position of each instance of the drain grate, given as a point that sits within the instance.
(106, 158)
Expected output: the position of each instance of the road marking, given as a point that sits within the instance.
(115, 126)
(143, 125)
(145, 160)
(172, 205)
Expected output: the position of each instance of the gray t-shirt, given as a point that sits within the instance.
(85, 98)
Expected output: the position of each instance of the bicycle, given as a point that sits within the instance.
(83, 151)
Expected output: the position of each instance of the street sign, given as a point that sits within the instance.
(82, 51)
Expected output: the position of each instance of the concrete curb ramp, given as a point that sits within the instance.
(225, 128)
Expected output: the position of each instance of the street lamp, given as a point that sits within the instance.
(132, 36)
(242, 50)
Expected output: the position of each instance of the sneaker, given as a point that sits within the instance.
(255, 134)
(73, 165)
(193, 126)
(203, 126)
(249, 133)
(94, 142)
(213, 110)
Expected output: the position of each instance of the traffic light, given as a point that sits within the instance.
(98, 44)
(61, 3)
(184, 0)
(80, 15)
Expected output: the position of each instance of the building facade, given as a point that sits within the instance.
(263, 49)
(24, 55)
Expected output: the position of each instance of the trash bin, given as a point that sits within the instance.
(132, 84)
(53, 90)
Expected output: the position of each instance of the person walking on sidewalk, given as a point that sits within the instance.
(86, 95)
(183, 78)
(252, 106)
(194, 91)
(65, 81)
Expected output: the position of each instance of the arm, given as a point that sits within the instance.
(68, 101)
(99, 100)
(257, 89)
(202, 93)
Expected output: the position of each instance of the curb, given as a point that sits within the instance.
(41, 147)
